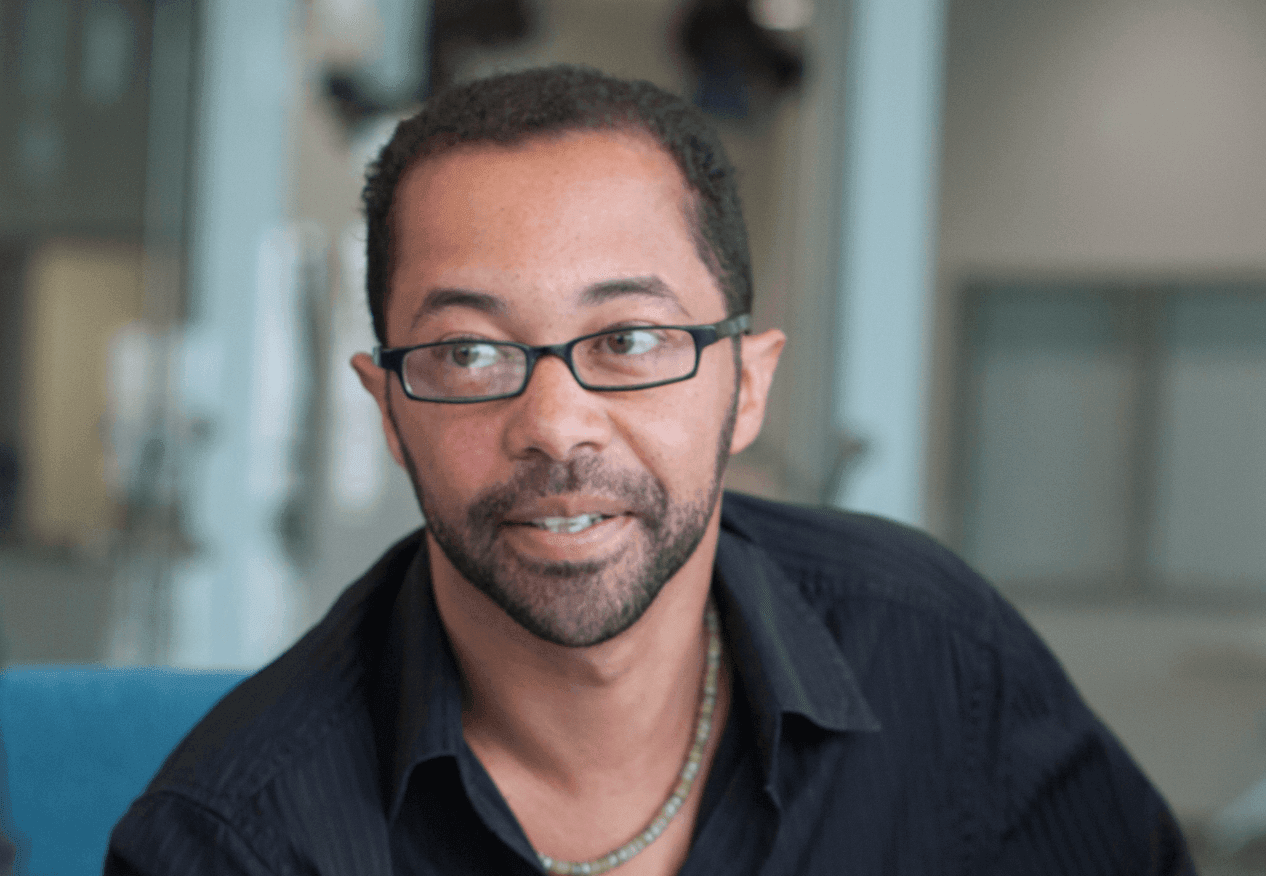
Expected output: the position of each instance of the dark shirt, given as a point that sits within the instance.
(892, 715)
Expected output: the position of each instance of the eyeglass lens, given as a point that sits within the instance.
(473, 369)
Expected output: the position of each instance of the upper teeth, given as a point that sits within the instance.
(568, 524)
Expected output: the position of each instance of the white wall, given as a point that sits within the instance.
(1099, 138)
(1115, 139)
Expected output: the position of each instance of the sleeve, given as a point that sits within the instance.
(8, 853)
(1070, 799)
(165, 834)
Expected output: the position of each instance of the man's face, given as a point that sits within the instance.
(570, 509)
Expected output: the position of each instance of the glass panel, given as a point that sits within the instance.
(108, 53)
(1047, 489)
(45, 36)
(1211, 521)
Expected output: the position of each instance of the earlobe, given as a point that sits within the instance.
(760, 361)
(377, 382)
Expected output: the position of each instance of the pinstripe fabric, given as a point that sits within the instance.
(893, 716)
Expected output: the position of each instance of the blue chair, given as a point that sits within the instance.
(78, 744)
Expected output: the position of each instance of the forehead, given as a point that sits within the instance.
(535, 223)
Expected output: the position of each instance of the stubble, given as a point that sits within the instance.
(575, 604)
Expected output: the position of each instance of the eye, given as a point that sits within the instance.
(472, 355)
(631, 342)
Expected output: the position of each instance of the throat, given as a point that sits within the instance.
(660, 820)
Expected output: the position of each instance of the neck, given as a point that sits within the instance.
(575, 715)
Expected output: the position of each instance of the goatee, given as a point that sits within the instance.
(575, 604)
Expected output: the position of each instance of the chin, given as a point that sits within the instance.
(578, 605)
(575, 605)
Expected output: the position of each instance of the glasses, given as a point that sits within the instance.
(638, 357)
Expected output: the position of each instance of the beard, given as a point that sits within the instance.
(575, 604)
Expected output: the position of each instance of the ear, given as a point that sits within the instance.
(760, 360)
(377, 382)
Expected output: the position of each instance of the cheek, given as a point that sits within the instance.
(455, 459)
(676, 437)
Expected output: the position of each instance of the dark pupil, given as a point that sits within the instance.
(464, 355)
(621, 343)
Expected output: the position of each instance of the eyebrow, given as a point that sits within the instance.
(592, 295)
(646, 287)
(444, 298)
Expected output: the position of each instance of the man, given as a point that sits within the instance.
(588, 660)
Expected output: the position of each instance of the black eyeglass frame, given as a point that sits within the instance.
(392, 358)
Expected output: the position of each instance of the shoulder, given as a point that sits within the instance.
(964, 686)
(282, 724)
(864, 561)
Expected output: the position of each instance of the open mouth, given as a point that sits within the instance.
(569, 524)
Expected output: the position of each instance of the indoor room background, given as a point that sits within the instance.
(1019, 249)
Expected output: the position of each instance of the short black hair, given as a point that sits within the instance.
(514, 107)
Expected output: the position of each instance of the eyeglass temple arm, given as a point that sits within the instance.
(735, 325)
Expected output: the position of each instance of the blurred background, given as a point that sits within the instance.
(1019, 249)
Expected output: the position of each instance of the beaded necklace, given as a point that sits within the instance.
(685, 779)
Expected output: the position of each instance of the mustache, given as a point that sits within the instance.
(543, 478)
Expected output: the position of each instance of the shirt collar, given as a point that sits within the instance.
(787, 662)
(419, 708)
(787, 659)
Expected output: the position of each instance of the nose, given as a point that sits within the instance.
(555, 415)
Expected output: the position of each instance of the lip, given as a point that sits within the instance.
(565, 506)
(558, 547)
